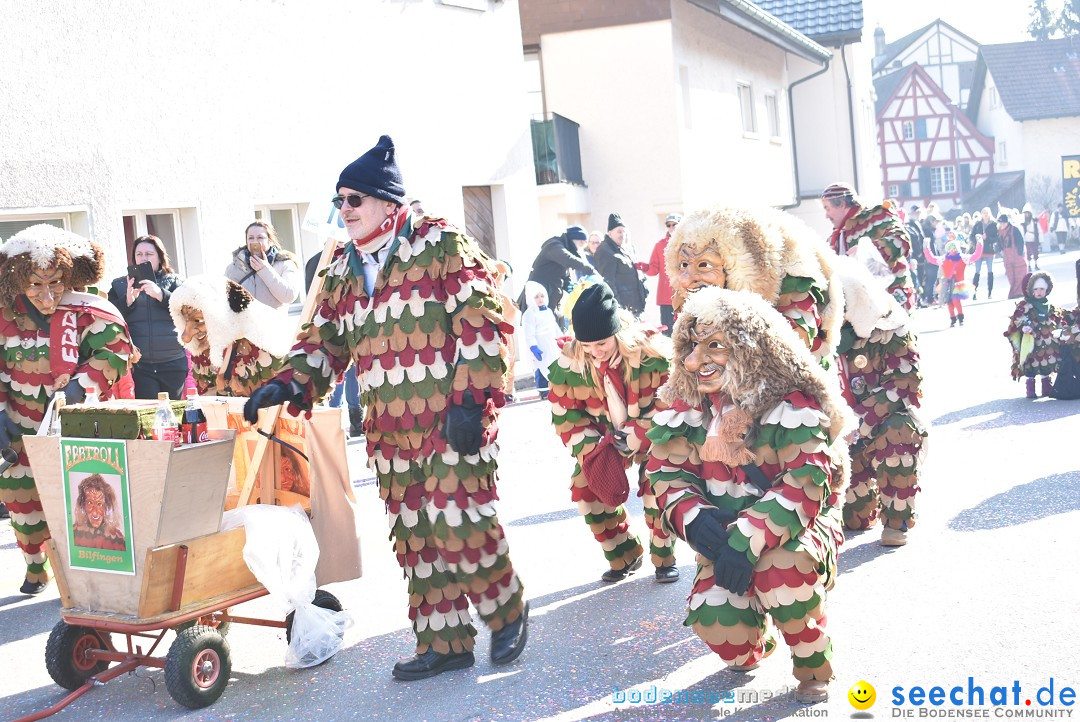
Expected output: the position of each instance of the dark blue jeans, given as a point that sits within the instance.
(351, 387)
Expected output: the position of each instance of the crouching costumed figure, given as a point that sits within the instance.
(748, 465)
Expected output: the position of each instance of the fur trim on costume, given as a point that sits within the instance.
(38, 247)
(1029, 282)
(231, 313)
(760, 247)
(767, 358)
(867, 303)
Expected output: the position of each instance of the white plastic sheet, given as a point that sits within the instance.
(282, 553)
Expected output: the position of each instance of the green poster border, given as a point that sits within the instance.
(108, 457)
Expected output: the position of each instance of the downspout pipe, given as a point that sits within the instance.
(851, 121)
(797, 200)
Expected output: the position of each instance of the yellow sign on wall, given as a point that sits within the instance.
(1070, 184)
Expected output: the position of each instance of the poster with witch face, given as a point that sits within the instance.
(98, 505)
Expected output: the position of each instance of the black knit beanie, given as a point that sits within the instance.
(596, 314)
(614, 221)
(376, 173)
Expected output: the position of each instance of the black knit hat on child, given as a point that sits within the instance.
(596, 314)
(614, 221)
(376, 173)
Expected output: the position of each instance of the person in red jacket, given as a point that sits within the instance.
(655, 267)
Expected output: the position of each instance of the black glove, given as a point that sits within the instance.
(9, 430)
(74, 393)
(707, 533)
(464, 429)
(272, 394)
(732, 570)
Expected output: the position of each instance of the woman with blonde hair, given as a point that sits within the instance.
(603, 395)
(265, 269)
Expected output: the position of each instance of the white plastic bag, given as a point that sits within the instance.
(282, 553)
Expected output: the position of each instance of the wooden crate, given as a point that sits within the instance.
(176, 495)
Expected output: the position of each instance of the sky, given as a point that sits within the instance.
(1006, 22)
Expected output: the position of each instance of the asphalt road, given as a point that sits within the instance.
(988, 587)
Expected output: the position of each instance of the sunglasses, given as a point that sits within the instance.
(353, 199)
(671, 225)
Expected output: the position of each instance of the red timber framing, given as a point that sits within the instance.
(929, 149)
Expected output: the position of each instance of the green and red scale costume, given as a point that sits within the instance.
(790, 530)
(249, 368)
(884, 228)
(84, 341)
(1035, 350)
(580, 413)
(879, 360)
(431, 333)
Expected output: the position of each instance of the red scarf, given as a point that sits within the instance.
(64, 328)
(391, 225)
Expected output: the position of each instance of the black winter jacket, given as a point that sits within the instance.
(149, 322)
(617, 268)
(551, 269)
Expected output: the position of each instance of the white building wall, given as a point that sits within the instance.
(1045, 142)
(216, 106)
(994, 121)
(618, 83)
(720, 162)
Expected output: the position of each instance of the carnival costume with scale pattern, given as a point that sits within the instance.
(581, 414)
(883, 227)
(778, 410)
(879, 359)
(1035, 350)
(84, 341)
(245, 342)
(430, 334)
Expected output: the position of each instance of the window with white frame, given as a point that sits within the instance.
(12, 224)
(746, 107)
(894, 191)
(942, 180)
(163, 223)
(992, 97)
(1003, 154)
(285, 218)
(772, 114)
(907, 129)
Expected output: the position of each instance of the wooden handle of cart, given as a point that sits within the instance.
(269, 419)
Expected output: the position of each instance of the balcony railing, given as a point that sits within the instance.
(556, 150)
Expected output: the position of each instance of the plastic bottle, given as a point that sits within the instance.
(92, 395)
(193, 427)
(59, 402)
(165, 426)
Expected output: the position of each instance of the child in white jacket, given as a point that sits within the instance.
(541, 329)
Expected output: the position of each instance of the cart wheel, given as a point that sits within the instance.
(324, 600)
(65, 655)
(197, 667)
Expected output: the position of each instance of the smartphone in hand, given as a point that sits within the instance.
(142, 272)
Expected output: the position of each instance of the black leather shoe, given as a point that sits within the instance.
(431, 663)
(508, 643)
(617, 575)
(32, 588)
(3, 511)
(667, 575)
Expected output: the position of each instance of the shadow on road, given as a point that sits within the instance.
(1049, 410)
(27, 620)
(1050, 495)
(853, 557)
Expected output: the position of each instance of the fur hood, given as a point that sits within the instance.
(39, 247)
(1029, 283)
(868, 306)
(231, 313)
(760, 247)
(767, 358)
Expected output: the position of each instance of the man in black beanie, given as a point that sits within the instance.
(551, 268)
(618, 268)
(432, 399)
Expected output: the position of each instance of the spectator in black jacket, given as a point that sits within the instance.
(551, 269)
(145, 306)
(916, 261)
(618, 268)
(985, 228)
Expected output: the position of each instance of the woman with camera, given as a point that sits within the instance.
(143, 298)
(265, 269)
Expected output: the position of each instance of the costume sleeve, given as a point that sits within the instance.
(575, 408)
(674, 471)
(642, 403)
(930, 256)
(793, 447)
(104, 350)
(800, 302)
(324, 345)
(284, 285)
(656, 261)
(976, 255)
(894, 246)
(476, 321)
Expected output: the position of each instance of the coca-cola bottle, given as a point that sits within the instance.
(165, 426)
(193, 427)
